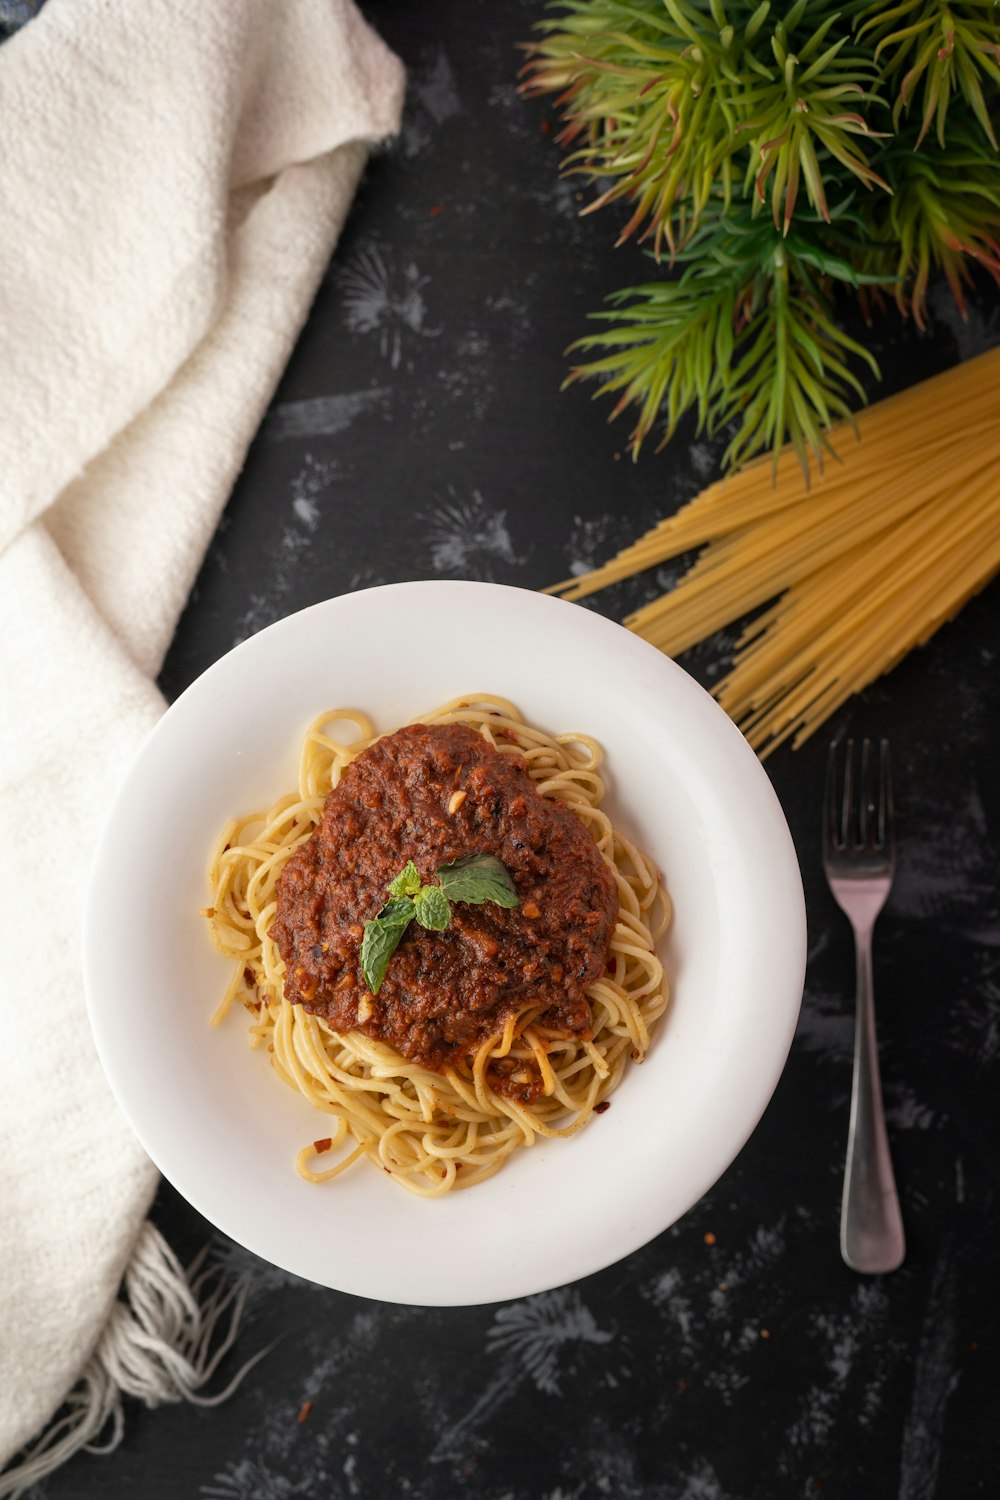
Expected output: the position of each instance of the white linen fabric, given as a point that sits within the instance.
(174, 176)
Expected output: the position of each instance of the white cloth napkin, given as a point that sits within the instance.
(174, 176)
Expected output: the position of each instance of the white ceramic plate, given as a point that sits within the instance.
(223, 1128)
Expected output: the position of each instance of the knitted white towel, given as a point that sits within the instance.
(174, 176)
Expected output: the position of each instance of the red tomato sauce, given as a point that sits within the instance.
(445, 993)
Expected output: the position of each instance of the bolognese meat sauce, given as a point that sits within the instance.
(445, 993)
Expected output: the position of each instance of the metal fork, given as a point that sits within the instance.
(859, 856)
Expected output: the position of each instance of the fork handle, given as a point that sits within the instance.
(871, 1225)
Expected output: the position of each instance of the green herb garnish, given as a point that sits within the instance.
(407, 882)
(476, 879)
(432, 908)
(382, 937)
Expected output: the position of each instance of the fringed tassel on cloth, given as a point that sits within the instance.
(160, 1344)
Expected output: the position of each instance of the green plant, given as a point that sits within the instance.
(772, 155)
(944, 215)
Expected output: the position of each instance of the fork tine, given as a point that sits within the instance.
(867, 819)
(857, 805)
(830, 839)
(885, 809)
(846, 822)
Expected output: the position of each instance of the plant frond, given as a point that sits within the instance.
(667, 349)
(744, 335)
(646, 106)
(668, 104)
(792, 382)
(807, 109)
(948, 49)
(944, 216)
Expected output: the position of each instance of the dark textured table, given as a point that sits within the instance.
(420, 432)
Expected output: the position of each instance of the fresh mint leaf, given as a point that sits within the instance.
(478, 878)
(407, 882)
(396, 913)
(432, 908)
(381, 939)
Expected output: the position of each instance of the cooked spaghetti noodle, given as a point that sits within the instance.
(865, 563)
(434, 1131)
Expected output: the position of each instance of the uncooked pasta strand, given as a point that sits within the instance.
(950, 409)
(828, 600)
(797, 534)
(902, 618)
(758, 567)
(858, 566)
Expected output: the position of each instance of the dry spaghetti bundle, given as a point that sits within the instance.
(856, 568)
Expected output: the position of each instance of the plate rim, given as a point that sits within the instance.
(782, 1019)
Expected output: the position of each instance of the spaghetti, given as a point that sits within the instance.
(436, 1130)
(857, 568)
